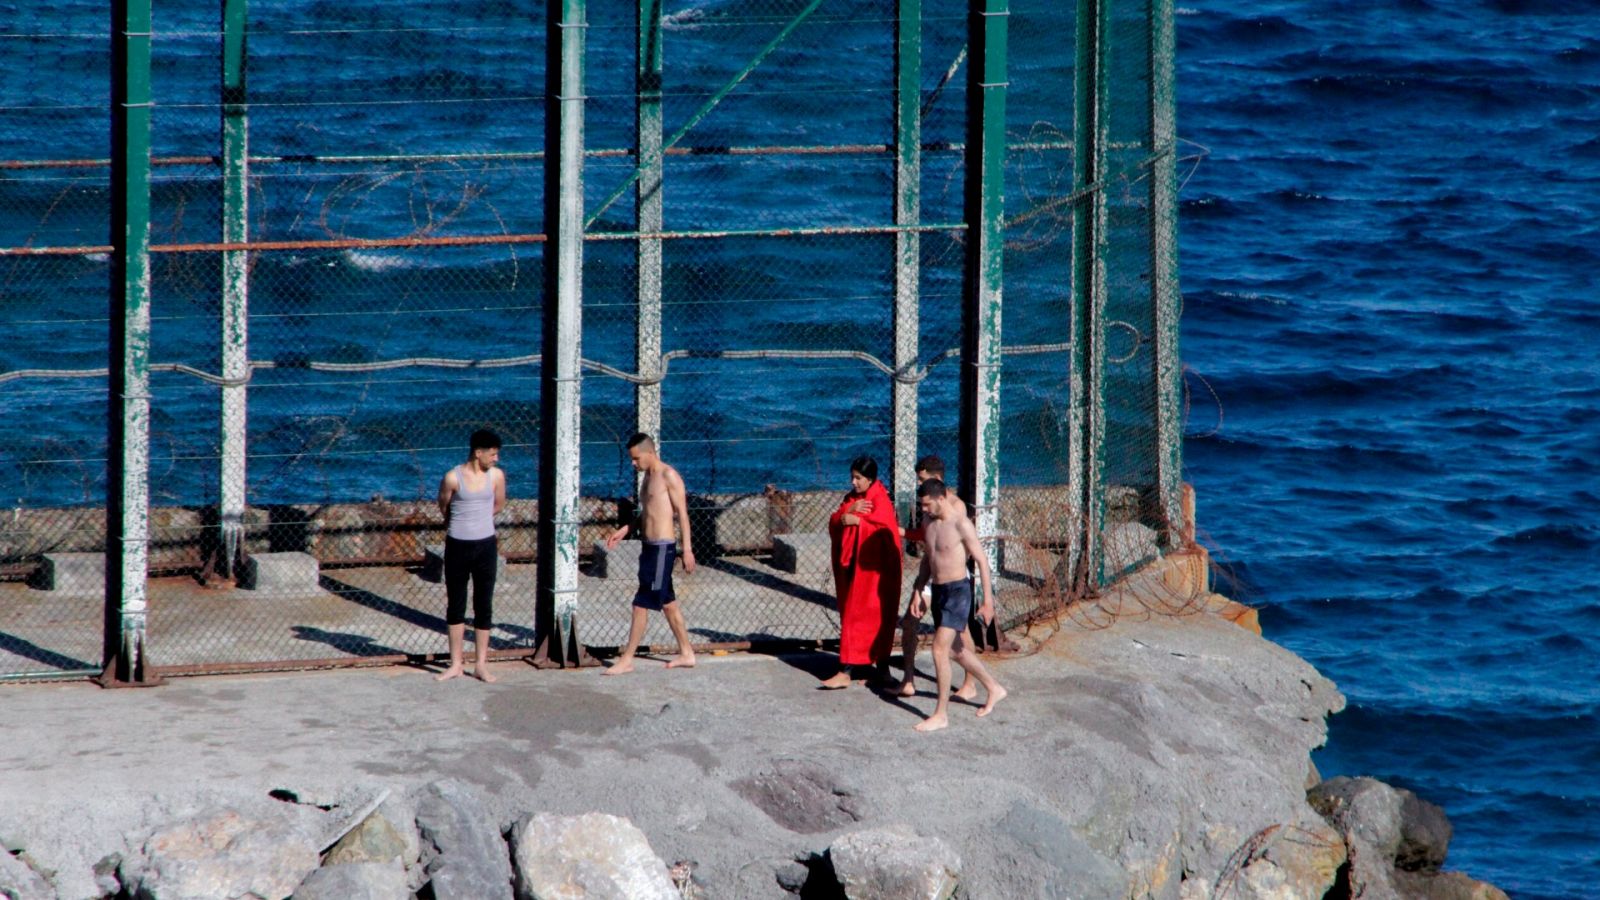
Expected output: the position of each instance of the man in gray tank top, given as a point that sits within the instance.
(469, 497)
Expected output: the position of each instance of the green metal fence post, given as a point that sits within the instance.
(235, 288)
(128, 462)
(983, 278)
(1164, 275)
(907, 247)
(1086, 418)
(647, 212)
(556, 606)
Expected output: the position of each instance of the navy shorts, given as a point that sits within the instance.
(952, 604)
(655, 574)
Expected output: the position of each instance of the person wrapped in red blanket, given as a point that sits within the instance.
(867, 559)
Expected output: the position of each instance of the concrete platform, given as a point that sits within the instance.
(280, 574)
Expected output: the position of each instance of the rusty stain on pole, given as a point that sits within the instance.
(984, 277)
(560, 374)
(907, 247)
(128, 462)
(647, 212)
(235, 287)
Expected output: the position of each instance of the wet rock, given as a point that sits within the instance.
(463, 852)
(802, 797)
(894, 863)
(593, 856)
(356, 881)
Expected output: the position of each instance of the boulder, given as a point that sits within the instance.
(462, 849)
(222, 854)
(375, 840)
(1285, 862)
(1446, 886)
(1364, 808)
(894, 863)
(1424, 835)
(356, 881)
(589, 857)
(18, 880)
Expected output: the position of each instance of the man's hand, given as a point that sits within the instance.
(688, 560)
(616, 537)
(986, 611)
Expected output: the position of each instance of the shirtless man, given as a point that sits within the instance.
(951, 541)
(928, 468)
(662, 503)
(470, 496)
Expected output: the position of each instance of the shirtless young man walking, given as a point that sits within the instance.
(928, 468)
(950, 542)
(662, 504)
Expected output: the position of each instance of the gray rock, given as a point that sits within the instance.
(18, 880)
(375, 840)
(1424, 835)
(221, 854)
(1446, 886)
(592, 856)
(894, 863)
(356, 881)
(801, 796)
(462, 849)
(1065, 863)
(1362, 807)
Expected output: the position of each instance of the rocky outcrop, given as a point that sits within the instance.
(594, 856)
(894, 863)
(463, 851)
(356, 881)
(223, 854)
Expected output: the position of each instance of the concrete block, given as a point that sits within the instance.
(280, 573)
(1129, 545)
(433, 564)
(75, 572)
(804, 552)
(741, 526)
(621, 562)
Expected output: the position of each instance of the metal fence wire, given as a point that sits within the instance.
(265, 266)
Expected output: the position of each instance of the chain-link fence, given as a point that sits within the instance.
(794, 219)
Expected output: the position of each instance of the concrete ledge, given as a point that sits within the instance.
(805, 552)
(81, 573)
(433, 564)
(622, 562)
(281, 573)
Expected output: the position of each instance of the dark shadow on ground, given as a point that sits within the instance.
(10, 643)
(409, 615)
(771, 582)
(344, 642)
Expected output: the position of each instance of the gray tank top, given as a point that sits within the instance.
(472, 512)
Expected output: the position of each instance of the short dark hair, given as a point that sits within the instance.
(933, 487)
(641, 438)
(484, 439)
(866, 466)
(933, 465)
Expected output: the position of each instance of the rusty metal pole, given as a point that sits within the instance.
(235, 288)
(983, 279)
(128, 462)
(560, 374)
(907, 250)
(1164, 293)
(647, 212)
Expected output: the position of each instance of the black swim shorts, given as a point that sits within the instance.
(655, 574)
(952, 604)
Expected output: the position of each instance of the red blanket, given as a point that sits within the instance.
(866, 577)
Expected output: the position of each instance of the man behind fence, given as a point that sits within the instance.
(951, 540)
(663, 503)
(470, 495)
(929, 468)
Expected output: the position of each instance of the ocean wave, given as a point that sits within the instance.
(1552, 535)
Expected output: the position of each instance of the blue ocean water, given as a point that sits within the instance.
(1389, 259)
(1390, 263)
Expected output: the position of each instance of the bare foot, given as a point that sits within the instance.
(481, 672)
(449, 673)
(620, 667)
(933, 722)
(681, 661)
(907, 688)
(837, 682)
(995, 696)
(968, 691)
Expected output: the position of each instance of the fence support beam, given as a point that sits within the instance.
(556, 605)
(128, 459)
(647, 217)
(1164, 275)
(235, 288)
(907, 248)
(1087, 414)
(983, 278)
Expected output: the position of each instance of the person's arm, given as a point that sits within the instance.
(969, 539)
(616, 537)
(680, 508)
(919, 602)
(499, 491)
(447, 490)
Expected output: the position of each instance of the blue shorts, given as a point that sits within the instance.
(655, 574)
(952, 604)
